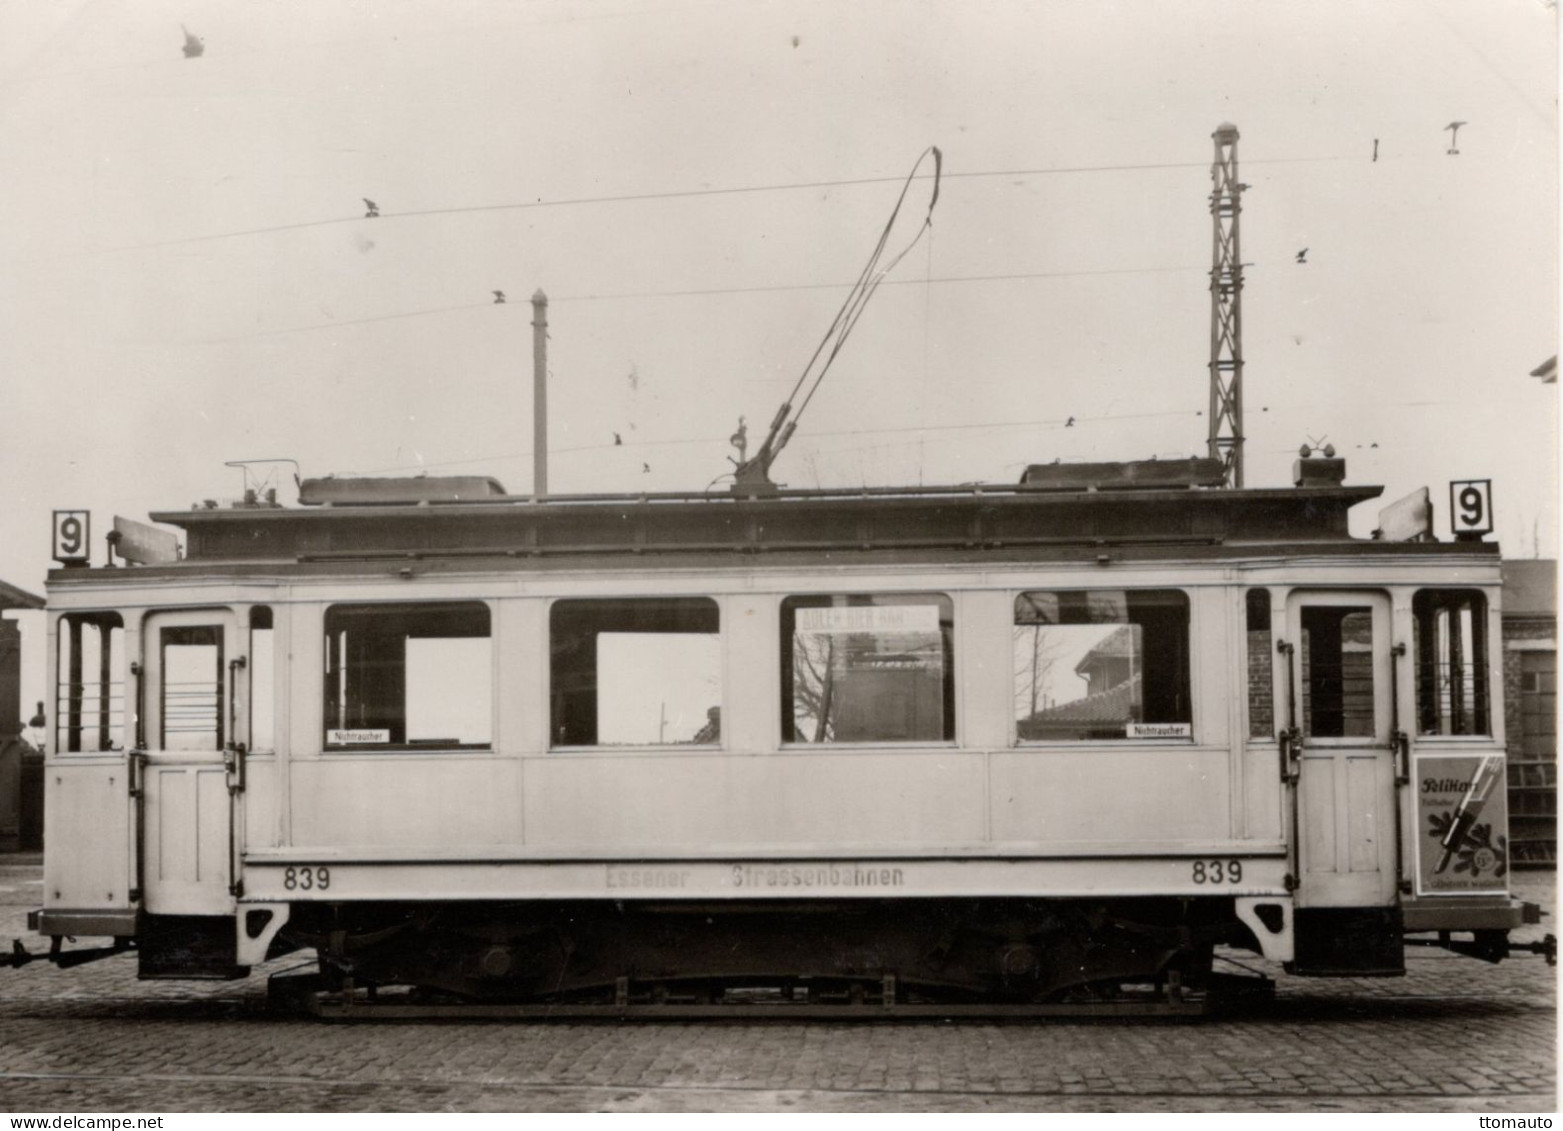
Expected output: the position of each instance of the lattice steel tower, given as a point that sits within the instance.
(1226, 308)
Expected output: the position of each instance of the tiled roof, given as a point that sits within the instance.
(1115, 705)
(13, 598)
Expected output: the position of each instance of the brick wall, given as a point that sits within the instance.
(1516, 629)
(1261, 700)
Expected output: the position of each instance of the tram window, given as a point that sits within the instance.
(408, 676)
(262, 670)
(868, 667)
(1449, 637)
(1261, 666)
(635, 672)
(89, 710)
(1337, 671)
(1102, 664)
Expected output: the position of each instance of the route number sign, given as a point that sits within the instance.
(72, 537)
(1470, 506)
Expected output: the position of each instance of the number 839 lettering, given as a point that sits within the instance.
(1217, 872)
(306, 879)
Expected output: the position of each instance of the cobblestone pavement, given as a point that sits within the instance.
(1454, 1035)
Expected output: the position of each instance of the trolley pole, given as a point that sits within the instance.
(539, 395)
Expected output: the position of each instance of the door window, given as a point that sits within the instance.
(192, 687)
(1337, 671)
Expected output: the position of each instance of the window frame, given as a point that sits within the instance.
(1482, 639)
(553, 695)
(68, 641)
(1250, 593)
(1188, 681)
(786, 626)
(256, 705)
(415, 607)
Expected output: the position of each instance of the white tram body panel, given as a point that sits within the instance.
(1213, 756)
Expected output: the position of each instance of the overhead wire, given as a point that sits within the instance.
(686, 194)
(707, 292)
(1059, 422)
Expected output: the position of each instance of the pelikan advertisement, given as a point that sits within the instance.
(1462, 816)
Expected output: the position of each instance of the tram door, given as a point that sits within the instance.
(1343, 773)
(188, 834)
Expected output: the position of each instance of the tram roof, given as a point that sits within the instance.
(1014, 522)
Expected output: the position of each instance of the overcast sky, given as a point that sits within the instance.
(187, 276)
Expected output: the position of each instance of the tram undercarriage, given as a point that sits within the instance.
(717, 958)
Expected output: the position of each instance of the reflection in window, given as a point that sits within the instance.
(191, 673)
(635, 672)
(262, 670)
(409, 675)
(1337, 671)
(1101, 663)
(1450, 637)
(89, 697)
(1261, 666)
(868, 668)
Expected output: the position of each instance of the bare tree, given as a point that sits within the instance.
(814, 682)
(1036, 654)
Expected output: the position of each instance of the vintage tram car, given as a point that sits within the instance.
(1026, 744)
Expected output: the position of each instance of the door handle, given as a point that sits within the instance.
(234, 764)
(136, 781)
(1291, 761)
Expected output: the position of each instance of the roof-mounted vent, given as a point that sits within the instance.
(1319, 471)
(1139, 474)
(365, 492)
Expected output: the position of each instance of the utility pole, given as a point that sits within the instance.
(539, 395)
(1226, 308)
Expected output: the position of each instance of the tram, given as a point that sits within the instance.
(1035, 745)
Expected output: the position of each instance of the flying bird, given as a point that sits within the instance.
(373, 209)
(1070, 423)
(1375, 149)
(499, 298)
(618, 441)
(1454, 137)
(645, 469)
(1302, 256)
(194, 46)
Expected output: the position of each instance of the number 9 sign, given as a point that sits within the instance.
(72, 537)
(1470, 506)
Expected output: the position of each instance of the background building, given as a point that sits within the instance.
(1530, 678)
(21, 765)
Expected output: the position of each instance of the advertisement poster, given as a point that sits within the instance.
(1462, 824)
